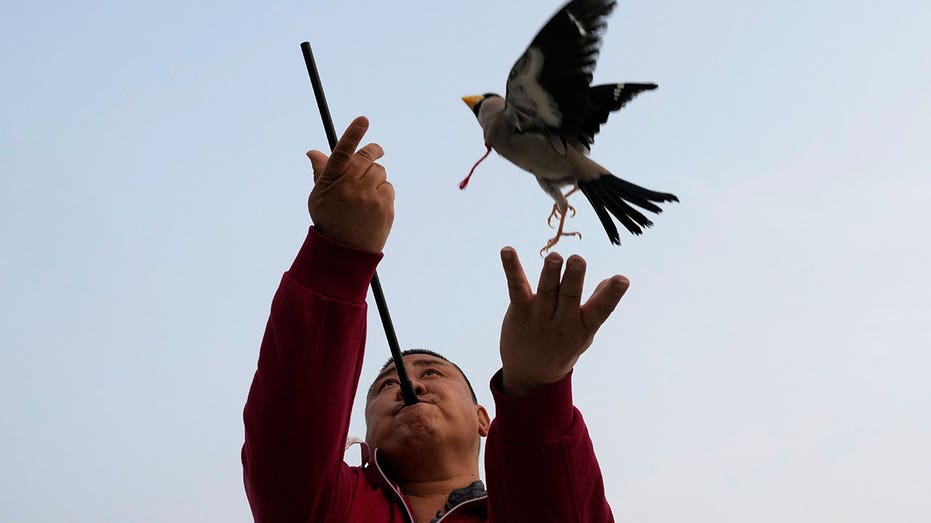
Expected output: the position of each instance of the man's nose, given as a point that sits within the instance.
(419, 389)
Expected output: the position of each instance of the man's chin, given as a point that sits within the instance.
(413, 436)
(417, 422)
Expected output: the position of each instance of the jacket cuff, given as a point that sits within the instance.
(540, 415)
(334, 269)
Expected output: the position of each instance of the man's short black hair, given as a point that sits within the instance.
(429, 352)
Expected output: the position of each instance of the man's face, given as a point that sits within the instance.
(444, 415)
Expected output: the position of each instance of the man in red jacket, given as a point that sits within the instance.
(420, 463)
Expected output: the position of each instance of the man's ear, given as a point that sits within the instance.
(483, 420)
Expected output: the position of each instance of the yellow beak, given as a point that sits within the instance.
(472, 100)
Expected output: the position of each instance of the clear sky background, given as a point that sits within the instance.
(770, 362)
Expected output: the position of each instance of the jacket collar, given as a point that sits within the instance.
(471, 496)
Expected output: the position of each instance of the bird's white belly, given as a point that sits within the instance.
(534, 154)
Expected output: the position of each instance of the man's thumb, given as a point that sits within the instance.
(318, 162)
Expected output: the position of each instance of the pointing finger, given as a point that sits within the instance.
(518, 286)
(603, 301)
(343, 152)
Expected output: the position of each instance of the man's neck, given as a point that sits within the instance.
(426, 498)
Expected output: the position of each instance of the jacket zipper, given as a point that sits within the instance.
(410, 517)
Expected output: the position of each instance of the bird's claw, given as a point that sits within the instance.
(554, 240)
(556, 214)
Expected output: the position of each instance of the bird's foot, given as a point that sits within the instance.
(556, 214)
(555, 239)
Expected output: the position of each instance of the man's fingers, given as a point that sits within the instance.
(388, 189)
(603, 301)
(548, 287)
(518, 286)
(318, 162)
(570, 290)
(371, 152)
(342, 154)
(364, 159)
(375, 175)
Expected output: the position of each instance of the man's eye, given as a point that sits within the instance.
(430, 372)
(387, 383)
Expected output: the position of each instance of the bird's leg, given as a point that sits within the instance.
(555, 213)
(559, 234)
(463, 183)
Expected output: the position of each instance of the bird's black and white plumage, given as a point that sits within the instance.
(548, 121)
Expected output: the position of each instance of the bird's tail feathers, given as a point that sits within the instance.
(609, 193)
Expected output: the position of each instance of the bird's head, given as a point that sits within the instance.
(484, 105)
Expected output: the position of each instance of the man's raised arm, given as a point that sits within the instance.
(539, 458)
(297, 414)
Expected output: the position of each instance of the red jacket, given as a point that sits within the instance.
(539, 461)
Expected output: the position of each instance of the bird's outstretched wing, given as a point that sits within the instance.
(548, 87)
(602, 101)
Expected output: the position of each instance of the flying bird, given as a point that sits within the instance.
(548, 120)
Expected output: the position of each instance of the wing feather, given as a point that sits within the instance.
(548, 87)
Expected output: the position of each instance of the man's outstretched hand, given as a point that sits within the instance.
(352, 201)
(544, 334)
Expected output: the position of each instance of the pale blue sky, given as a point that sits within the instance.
(770, 362)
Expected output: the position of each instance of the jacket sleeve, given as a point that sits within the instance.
(539, 459)
(297, 413)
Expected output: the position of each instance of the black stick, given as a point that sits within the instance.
(407, 390)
